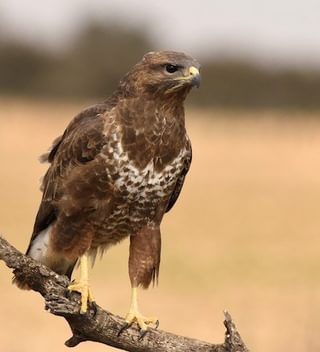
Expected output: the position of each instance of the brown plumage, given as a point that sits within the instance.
(118, 167)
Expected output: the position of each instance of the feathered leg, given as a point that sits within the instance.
(144, 261)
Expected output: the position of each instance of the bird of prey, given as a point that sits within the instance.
(116, 170)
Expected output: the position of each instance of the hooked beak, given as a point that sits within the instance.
(194, 76)
(191, 76)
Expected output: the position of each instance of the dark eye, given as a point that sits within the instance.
(171, 68)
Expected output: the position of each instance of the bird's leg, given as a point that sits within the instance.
(144, 261)
(134, 316)
(82, 286)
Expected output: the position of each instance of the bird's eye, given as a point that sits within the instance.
(171, 68)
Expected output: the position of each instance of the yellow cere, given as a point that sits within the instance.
(193, 71)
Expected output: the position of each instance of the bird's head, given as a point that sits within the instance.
(164, 73)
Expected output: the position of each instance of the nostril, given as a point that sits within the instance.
(193, 71)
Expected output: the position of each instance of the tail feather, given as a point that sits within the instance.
(39, 250)
(19, 282)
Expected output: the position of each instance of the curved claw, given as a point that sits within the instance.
(86, 295)
(142, 323)
(124, 327)
(94, 307)
(142, 334)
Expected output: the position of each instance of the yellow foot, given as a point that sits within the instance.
(86, 295)
(143, 322)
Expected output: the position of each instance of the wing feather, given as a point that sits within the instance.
(179, 184)
(81, 142)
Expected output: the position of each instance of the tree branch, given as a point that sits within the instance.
(102, 326)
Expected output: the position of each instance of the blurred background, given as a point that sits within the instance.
(244, 235)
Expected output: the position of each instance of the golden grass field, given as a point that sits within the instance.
(244, 235)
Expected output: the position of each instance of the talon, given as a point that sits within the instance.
(142, 322)
(142, 334)
(157, 324)
(134, 316)
(94, 307)
(67, 293)
(125, 326)
(82, 286)
(84, 290)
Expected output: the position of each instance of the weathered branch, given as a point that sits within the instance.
(102, 326)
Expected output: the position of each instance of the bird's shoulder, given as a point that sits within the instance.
(78, 147)
(83, 138)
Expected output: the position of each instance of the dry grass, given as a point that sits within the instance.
(244, 235)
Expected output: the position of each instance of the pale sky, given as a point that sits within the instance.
(272, 31)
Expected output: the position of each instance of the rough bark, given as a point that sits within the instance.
(102, 326)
